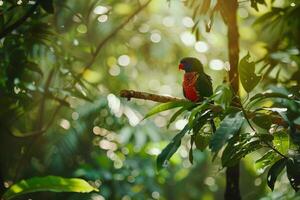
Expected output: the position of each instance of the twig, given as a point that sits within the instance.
(20, 21)
(148, 96)
(252, 127)
(40, 127)
(36, 135)
(110, 36)
(43, 130)
(40, 120)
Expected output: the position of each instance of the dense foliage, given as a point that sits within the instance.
(64, 128)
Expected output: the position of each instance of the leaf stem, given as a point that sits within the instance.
(252, 127)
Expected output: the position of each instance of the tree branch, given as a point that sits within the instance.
(110, 36)
(148, 96)
(20, 21)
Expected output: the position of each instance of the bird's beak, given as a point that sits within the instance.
(181, 66)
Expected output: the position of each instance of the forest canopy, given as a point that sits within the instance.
(93, 102)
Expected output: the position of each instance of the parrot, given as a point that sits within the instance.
(196, 83)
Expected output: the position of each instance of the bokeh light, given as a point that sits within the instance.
(216, 64)
(100, 10)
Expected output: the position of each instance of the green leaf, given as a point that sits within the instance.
(170, 149)
(262, 120)
(223, 96)
(80, 95)
(34, 67)
(230, 125)
(48, 183)
(236, 150)
(167, 106)
(200, 120)
(196, 111)
(17, 133)
(265, 18)
(281, 142)
(274, 172)
(247, 74)
(202, 141)
(265, 95)
(293, 132)
(47, 5)
(204, 105)
(177, 113)
(293, 173)
(267, 159)
(265, 137)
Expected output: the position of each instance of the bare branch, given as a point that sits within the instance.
(148, 96)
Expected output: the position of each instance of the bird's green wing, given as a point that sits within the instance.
(204, 85)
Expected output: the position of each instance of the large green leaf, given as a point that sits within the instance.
(236, 150)
(293, 131)
(167, 106)
(281, 142)
(262, 120)
(177, 113)
(196, 112)
(230, 125)
(223, 96)
(34, 67)
(274, 172)
(200, 120)
(247, 74)
(170, 149)
(293, 173)
(48, 183)
(203, 106)
(265, 95)
(267, 159)
(265, 137)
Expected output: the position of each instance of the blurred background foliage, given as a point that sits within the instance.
(62, 69)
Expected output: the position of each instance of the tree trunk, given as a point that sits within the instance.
(228, 10)
(232, 191)
(2, 188)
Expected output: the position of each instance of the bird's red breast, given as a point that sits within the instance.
(189, 86)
